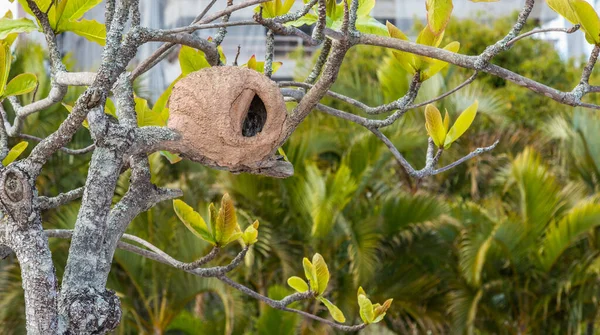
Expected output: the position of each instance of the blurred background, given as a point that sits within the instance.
(475, 250)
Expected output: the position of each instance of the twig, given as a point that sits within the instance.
(81, 151)
(543, 30)
(457, 88)
(61, 199)
(151, 61)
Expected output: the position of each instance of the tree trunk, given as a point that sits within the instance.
(24, 235)
(39, 279)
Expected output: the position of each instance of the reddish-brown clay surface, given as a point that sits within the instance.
(208, 108)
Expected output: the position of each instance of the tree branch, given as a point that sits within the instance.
(61, 199)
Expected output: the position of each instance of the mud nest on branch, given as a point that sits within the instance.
(231, 118)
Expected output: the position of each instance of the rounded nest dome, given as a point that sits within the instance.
(229, 116)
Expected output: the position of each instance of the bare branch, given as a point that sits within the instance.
(270, 53)
(61, 199)
(469, 62)
(457, 88)
(219, 272)
(157, 35)
(316, 71)
(473, 153)
(56, 94)
(200, 19)
(282, 304)
(503, 44)
(50, 36)
(543, 30)
(81, 151)
(223, 30)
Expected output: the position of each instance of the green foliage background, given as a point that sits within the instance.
(506, 243)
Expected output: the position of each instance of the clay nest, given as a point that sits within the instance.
(231, 118)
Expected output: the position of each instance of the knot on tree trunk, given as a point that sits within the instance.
(231, 118)
(16, 194)
(92, 312)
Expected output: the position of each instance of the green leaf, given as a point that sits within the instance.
(228, 211)
(366, 309)
(437, 65)
(308, 19)
(171, 157)
(257, 66)
(191, 60)
(563, 8)
(250, 235)
(43, 5)
(14, 152)
(213, 214)
(438, 15)
(226, 221)
(297, 284)
(285, 8)
(370, 25)
(91, 30)
(9, 26)
(335, 312)
(446, 121)
(427, 37)
(562, 234)
(322, 273)
(192, 220)
(589, 20)
(21, 84)
(5, 62)
(311, 274)
(365, 7)
(74, 9)
(405, 59)
(463, 122)
(380, 310)
(145, 116)
(434, 125)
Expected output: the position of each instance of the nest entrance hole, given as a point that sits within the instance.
(255, 118)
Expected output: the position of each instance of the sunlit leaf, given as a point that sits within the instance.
(405, 59)
(447, 121)
(438, 14)
(192, 220)
(145, 115)
(191, 60)
(21, 84)
(226, 222)
(588, 18)
(11, 26)
(250, 235)
(437, 65)
(15, 152)
(311, 274)
(91, 30)
(563, 8)
(5, 62)
(213, 214)
(297, 284)
(75, 9)
(434, 125)
(335, 312)
(463, 122)
(322, 273)
(366, 308)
